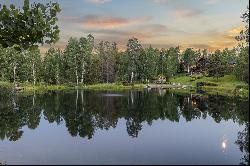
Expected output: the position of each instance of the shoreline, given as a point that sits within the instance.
(232, 91)
(225, 86)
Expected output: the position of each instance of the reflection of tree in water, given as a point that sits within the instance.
(84, 112)
(243, 136)
(32, 110)
(15, 113)
(243, 142)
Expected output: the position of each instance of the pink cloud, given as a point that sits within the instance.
(99, 1)
(100, 22)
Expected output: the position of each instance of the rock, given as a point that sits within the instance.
(2, 163)
(18, 89)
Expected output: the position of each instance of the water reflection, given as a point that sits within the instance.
(85, 112)
(243, 142)
(224, 144)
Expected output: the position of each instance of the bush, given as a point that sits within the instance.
(71, 84)
(197, 76)
(211, 84)
(198, 84)
(127, 84)
(242, 87)
(119, 83)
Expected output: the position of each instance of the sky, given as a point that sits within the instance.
(199, 24)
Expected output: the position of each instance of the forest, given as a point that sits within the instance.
(73, 91)
(83, 61)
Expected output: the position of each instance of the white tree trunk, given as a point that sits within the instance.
(77, 77)
(57, 75)
(33, 99)
(82, 101)
(132, 77)
(57, 78)
(14, 75)
(107, 71)
(77, 94)
(132, 97)
(83, 71)
(14, 103)
(34, 73)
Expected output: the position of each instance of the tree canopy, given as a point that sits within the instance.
(30, 26)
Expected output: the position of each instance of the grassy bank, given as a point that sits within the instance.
(38, 87)
(227, 85)
(45, 87)
(114, 86)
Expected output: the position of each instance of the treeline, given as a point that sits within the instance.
(82, 62)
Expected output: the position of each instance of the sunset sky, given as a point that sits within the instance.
(210, 24)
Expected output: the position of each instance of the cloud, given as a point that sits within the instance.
(119, 36)
(197, 46)
(104, 22)
(98, 1)
(160, 1)
(235, 31)
(60, 44)
(144, 33)
(186, 12)
(213, 39)
(153, 28)
(160, 46)
(207, 2)
(211, 2)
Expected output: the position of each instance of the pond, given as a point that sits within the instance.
(132, 127)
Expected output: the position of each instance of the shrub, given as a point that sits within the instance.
(242, 87)
(198, 84)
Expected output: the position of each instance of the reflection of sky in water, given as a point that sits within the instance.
(193, 142)
(112, 95)
(175, 140)
(224, 144)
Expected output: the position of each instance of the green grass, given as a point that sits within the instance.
(227, 85)
(5, 84)
(228, 80)
(44, 87)
(113, 87)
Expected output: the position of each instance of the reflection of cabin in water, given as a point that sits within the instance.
(199, 102)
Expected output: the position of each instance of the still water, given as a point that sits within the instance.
(133, 127)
